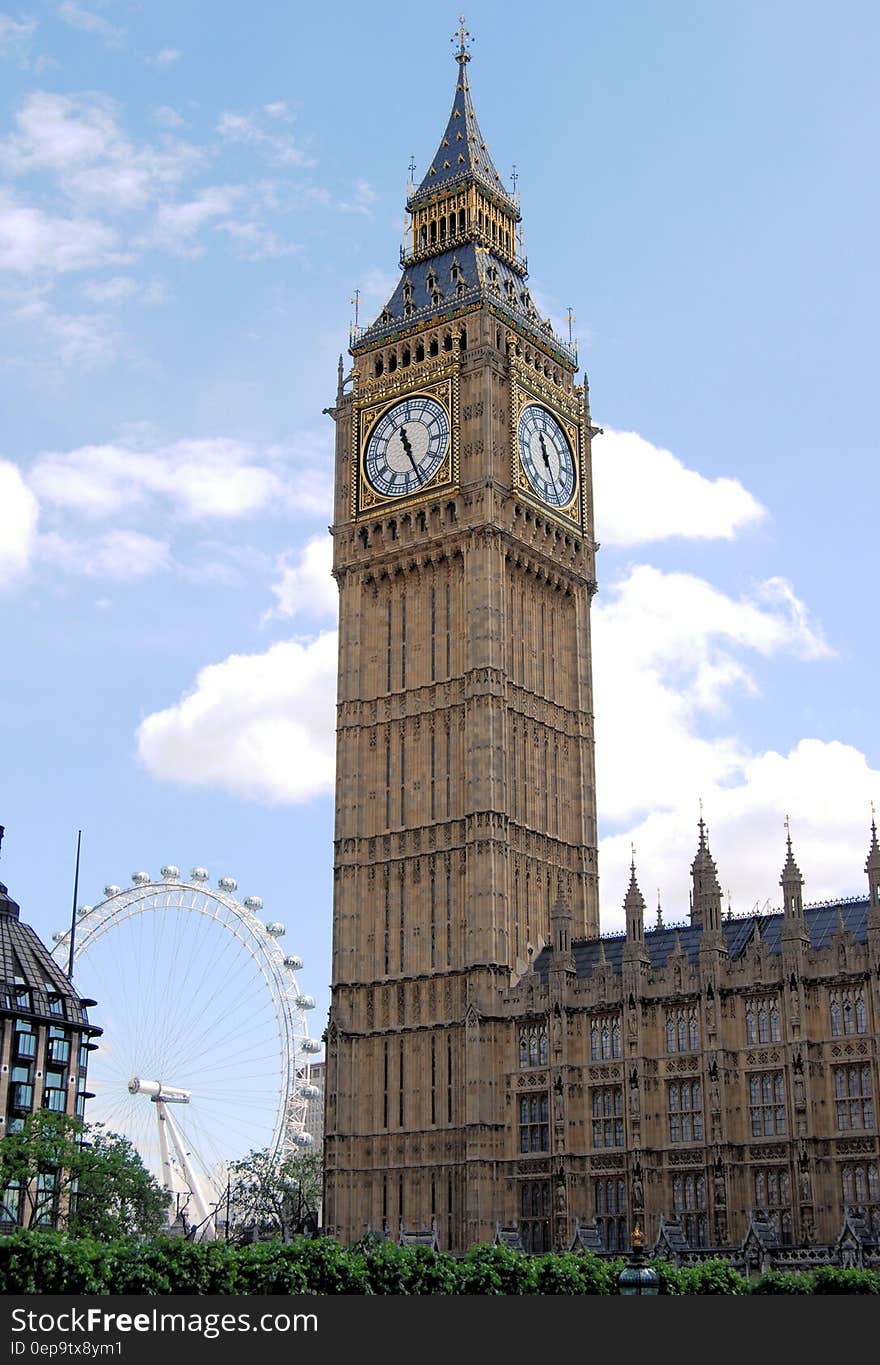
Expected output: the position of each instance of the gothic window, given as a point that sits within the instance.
(605, 1037)
(853, 1097)
(533, 1046)
(607, 1111)
(682, 1034)
(423, 237)
(610, 1200)
(434, 347)
(767, 1103)
(773, 1199)
(762, 1021)
(534, 1208)
(461, 220)
(534, 1124)
(447, 342)
(848, 1013)
(420, 352)
(689, 1206)
(685, 1111)
(378, 367)
(861, 1191)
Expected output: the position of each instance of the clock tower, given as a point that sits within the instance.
(465, 794)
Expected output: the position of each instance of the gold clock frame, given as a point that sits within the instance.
(527, 388)
(440, 382)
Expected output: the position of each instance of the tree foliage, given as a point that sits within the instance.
(80, 1178)
(273, 1196)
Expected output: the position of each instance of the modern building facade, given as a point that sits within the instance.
(46, 1041)
(490, 1058)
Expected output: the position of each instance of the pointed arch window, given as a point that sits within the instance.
(605, 1041)
(848, 1012)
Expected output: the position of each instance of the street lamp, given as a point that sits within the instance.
(636, 1277)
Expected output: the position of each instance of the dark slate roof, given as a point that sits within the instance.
(822, 921)
(25, 962)
(462, 153)
(466, 276)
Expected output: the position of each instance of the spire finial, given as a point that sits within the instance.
(659, 911)
(632, 851)
(873, 822)
(788, 833)
(463, 38)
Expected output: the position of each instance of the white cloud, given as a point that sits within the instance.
(77, 16)
(15, 36)
(200, 479)
(178, 225)
(824, 786)
(668, 654)
(256, 242)
(83, 341)
(361, 201)
(78, 139)
(112, 290)
(167, 117)
(306, 587)
(645, 493)
(247, 129)
(18, 523)
(33, 242)
(168, 56)
(121, 555)
(258, 725)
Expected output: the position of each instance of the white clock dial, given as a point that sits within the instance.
(407, 446)
(546, 456)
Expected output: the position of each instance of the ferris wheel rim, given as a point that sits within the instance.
(93, 922)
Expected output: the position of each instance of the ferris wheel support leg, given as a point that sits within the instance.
(206, 1230)
(165, 1155)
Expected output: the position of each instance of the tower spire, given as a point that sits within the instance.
(872, 865)
(706, 891)
(464, 41)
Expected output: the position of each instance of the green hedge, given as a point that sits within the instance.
(50, 1263)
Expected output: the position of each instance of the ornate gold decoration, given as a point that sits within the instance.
(440, 382)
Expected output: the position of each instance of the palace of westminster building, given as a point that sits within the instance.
(492, 1062)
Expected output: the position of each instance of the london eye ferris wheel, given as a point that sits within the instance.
(201, 1010)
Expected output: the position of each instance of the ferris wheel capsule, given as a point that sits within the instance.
(311, 1045)
(83, 910)
(227, 884)
(58, 935)
(308, 1091)
(199, 874)
(305, 1002)
(254, 903)
(303, 1139)
(276, 929)
(170, 873)
(293, 962)
(112, 891)
(140, 878)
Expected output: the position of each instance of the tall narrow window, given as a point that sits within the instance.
(522, 638)
(853, 1097)
(448, 631)
(689, 1205)
(610, 1200)
(448, 1080)
(449, 909)
(403, 639)
(433, 916)
(385, 1085)
(401, 931)
(773, 1199)
(685, 1111)
(433, 1096)
(433, 634)
(607, 1116)
(534, 1124)
(552, 654)
(448, 767)
(388, 778)
(402, 777)
(861, 1191)
(400, 1090)
(534, 1222)
(767, 1103)
(387, 922)
(388, 639)
(682, 1033)
(433, 788)
(541, 655)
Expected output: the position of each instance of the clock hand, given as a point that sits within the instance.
(546, 459)
(408, 448)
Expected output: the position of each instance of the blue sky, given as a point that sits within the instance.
(189, 196)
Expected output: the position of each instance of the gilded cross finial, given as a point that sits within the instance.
(463, 38)
(514, 178)
(571, 322)
(412, 167)
(356, 300)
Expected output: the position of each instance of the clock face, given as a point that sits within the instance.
(546, 456)
(407, 446)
